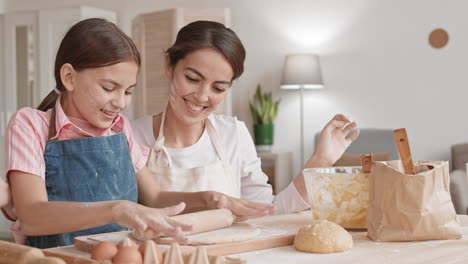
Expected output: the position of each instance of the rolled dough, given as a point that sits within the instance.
(235, 233)
(323, 237)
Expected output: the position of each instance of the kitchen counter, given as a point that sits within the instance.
(364, 251)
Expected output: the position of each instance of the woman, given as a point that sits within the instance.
(195, 150)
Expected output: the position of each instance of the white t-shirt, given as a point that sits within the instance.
(239, 151)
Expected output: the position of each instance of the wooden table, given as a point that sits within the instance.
(367, 251)
(364, 251)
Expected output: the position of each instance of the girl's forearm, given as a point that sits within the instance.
(47, 217)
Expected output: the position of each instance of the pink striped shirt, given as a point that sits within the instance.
(28, 130)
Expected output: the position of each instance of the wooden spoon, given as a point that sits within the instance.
(401, 139)
(366, 162)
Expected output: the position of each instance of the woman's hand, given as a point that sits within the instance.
(333, 141)
(243, 209)
(136, 216)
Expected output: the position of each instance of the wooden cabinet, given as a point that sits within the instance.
(155, 32)
(52, 26)
(36, 36)
(277, 166)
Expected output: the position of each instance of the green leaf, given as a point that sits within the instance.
(263, 108)
(253, 111)
(266, 113)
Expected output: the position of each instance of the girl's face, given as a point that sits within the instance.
(98, 95)
(199, 83)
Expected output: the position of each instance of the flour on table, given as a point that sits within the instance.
(236, 233)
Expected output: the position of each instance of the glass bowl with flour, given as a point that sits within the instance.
(338, 194)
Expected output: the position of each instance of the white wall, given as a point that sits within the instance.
(376, 62)
(3, 222)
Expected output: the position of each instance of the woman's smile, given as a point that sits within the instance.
(194, 108)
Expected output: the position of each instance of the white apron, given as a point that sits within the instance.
(217, 176)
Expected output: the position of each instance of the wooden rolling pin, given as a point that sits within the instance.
(201, 222)
(69, 259)
(20, 254)
(401, 139)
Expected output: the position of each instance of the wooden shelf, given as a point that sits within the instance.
(277, 166)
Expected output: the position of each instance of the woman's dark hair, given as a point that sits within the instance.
(208, 35)
(91, 43)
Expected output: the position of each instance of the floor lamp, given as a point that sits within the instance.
(302, 71)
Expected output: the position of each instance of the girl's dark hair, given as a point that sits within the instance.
(209, 35)
(91, 43)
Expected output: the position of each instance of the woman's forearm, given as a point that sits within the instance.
(195, 201)
(151, 195)
(314, 162)
(48, 217)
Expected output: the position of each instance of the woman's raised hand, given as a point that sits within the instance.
(136, 216)
(334, 139)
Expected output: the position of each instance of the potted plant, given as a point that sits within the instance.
(264, 111)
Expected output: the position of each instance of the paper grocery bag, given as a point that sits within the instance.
(405, 207)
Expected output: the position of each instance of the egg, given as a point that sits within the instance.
(159, 252)
(104, 251)
(128, 255)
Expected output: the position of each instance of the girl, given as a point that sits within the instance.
(195, 150)
(73, 164)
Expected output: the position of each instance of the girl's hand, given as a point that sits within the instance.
(243, 209)
(334, 140)
(136, 216)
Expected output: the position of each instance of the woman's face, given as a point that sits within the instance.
(199, 83)
(98, 95)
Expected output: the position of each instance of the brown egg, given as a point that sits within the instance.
(127, 242)
(158, 250)
(104, 251)
(127, 255)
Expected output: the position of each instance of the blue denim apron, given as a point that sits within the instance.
(90, 169)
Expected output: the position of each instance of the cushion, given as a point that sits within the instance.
(459, 156)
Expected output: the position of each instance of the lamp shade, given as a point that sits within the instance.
(302, 71)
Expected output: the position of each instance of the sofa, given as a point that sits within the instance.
(379, 142)
(458, 178)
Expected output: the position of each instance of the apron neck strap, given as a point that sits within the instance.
(161, 126)
(52, 124)
(214, 138)
(208, 126)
